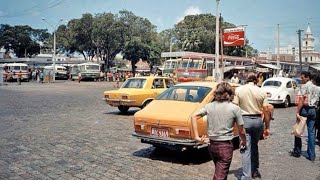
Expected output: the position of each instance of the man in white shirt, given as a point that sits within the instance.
(234, 78)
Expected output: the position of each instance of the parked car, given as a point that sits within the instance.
(166, 121)
(280, 90)
(137, 92)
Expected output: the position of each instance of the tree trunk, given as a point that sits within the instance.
(85, 58)
(133, 66)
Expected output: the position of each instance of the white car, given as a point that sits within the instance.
(280, 90)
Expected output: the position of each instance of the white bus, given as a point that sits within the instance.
(61, 71)
(89, 71)
(15, 68)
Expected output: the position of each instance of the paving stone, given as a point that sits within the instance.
(64, 131)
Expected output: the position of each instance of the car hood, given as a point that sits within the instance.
(162, 112)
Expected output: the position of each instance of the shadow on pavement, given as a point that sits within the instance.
(129, 113)
(194, 156)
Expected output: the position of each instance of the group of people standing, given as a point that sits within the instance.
(248, 107)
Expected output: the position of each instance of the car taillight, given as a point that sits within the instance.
(124, 97)
(184, 132)
(139, 127)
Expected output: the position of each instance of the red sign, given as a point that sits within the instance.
(234, 37)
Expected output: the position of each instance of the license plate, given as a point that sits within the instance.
(164, 133)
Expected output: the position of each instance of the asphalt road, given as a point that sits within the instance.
(64, 130)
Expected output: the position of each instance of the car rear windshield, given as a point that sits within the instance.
(134, 83)
(185, 93)
(272, 83)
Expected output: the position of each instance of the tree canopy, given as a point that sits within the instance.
(105, 35)
(23, 40)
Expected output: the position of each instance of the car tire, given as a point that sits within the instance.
(145, 104)
(286, 102)
(123, 109)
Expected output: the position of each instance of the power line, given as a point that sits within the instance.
(52, 4)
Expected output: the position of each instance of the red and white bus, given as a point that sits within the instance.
(194, 67)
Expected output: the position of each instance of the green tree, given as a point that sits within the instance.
(197, 33)
(76, 36)
(139, 35)
(23, 40)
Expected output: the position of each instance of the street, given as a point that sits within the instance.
(64, 130)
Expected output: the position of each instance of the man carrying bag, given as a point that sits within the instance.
(306, 107)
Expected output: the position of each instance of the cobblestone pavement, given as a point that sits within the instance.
(64, 130)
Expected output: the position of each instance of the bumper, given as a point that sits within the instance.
(118, 102)
(168, 141)
(276, 101)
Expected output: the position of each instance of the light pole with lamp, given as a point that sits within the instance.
(54, 47)
(216, 73)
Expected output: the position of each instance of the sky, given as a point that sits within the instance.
(260, 16)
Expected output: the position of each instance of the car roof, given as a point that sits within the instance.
(279, 79)
(149, 77)
(210, 84)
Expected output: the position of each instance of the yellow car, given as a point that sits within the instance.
(137, 92)
(166, 121)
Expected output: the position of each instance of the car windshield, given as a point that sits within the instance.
(134, 83)
(185, 93)
(272, 83)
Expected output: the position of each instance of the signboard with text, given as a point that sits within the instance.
(234, 37)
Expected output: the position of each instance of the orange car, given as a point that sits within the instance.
(166, 121)
(137, 92)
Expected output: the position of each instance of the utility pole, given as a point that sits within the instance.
(300, 56)
(216, 60)
(278, 44)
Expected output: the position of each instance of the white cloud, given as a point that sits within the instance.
(192, 10)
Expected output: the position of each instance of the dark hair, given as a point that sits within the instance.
(223, 92)
(306, 74)
(252, 78)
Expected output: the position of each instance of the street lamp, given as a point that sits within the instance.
(216, 74)
(54, 47)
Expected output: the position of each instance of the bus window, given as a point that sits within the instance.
(16, 68)
(92, 67)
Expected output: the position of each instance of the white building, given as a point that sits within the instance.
(308, 52)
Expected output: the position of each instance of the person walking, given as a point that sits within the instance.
(79, 77)
(256, 116)
(260, 79)
(19, 77)
(221, 116)
(306, 107)
(41, 76)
